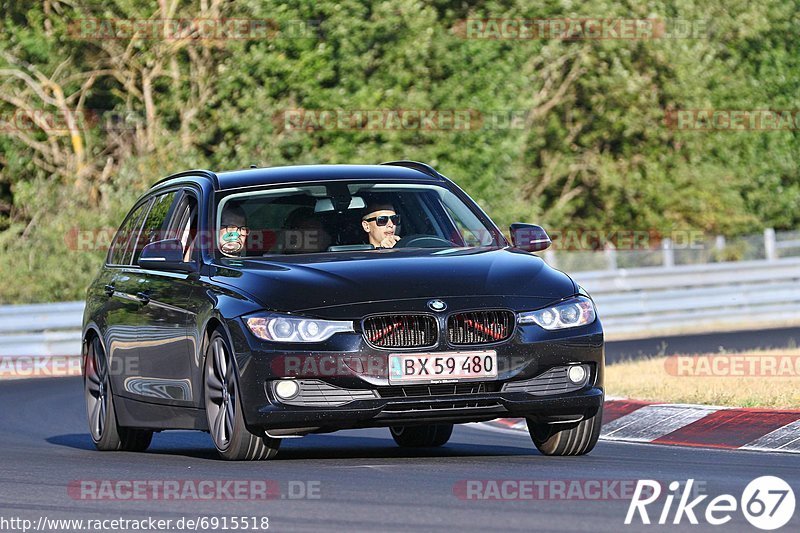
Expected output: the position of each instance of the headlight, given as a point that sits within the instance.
(577, 311)
(284, 328)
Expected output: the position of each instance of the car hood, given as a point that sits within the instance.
(317, 281)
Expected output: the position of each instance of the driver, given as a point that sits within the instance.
(233, 231)
(380, 222)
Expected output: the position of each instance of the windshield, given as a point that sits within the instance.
(340, 216)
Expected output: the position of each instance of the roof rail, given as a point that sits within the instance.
(421, 167)
(199, 172)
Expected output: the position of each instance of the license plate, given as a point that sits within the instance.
(442, 367)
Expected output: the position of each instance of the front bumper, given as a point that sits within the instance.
(285, 421)
(531, 352)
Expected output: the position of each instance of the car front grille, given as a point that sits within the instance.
(401, 331)
(428, 391)
(480, 327)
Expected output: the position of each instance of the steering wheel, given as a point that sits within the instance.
(423, 241)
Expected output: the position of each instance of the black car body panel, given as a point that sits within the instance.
(154, 325)
(348, 278)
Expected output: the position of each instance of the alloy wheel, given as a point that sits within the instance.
(96, 389)
(221, 394)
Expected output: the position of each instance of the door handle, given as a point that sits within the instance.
(143, 298)
(109, 290)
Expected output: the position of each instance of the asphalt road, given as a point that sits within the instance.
(361, 480)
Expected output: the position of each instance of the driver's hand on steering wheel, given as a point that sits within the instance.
(389, 241)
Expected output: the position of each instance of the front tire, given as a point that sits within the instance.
(429, 436)
(574, 439)
(106, 434)
(231, 437)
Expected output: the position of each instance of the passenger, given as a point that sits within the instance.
(380, 222)
(233, 231)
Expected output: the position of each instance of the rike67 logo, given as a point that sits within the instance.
(767, 503)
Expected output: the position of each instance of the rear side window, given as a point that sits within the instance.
(155, 225)
(183, 225)
(126, 235)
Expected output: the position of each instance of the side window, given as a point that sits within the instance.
(183, 224)
(125, 236)
(155, 225)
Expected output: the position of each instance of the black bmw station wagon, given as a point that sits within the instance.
(271, 303)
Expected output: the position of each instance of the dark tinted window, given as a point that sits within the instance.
(155, 225)
(127, 234)
(183, 225)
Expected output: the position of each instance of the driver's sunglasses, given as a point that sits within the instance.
(384, 219)
(241, 230)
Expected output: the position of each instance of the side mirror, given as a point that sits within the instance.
(529, 237)
(165, 255)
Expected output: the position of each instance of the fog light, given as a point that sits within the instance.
(576, 373)
(287, 389)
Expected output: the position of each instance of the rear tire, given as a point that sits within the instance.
(102, 417)
(422, 436)
(563, 439)
(231, 437)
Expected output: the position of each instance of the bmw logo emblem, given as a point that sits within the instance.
(437, 305)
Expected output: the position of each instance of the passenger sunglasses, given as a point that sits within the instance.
(384, 219)
(241, 230)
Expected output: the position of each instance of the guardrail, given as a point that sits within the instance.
(41, 329)
(588, 251)
(634, 302)
(709, 297)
